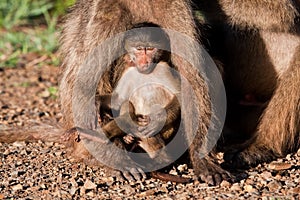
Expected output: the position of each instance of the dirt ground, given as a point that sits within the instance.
(44, 170)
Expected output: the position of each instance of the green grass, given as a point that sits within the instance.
(14, 44)
(20, 12)
(53, 92)
(29, 26)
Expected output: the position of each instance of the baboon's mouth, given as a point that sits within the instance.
(147, 68)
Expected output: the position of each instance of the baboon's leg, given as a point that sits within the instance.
(278, 132)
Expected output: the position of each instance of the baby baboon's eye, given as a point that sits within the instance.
(150, 48)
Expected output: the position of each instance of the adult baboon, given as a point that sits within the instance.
(259, 44)
(91, 24)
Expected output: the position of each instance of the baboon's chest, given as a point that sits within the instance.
(281, 49)
(256, 62)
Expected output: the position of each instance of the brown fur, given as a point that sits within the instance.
(261, 14)
(261, 48)
(45, 132)
(93, 21)
(140, 100)
(89, 23)
(136, 111)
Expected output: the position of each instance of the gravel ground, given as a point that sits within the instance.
(44, 170)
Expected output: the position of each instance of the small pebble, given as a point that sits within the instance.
(17, 187)
(88, 185)
(182, 168)
(73, 190)
(146, 193)
(249, 188)
(235, 186)
(279, 166)
(266, 175)
(274, 185)
(225, 184)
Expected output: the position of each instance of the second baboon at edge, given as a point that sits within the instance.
(259, 45)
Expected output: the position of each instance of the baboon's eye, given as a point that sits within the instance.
(150, 48)
(139, 48)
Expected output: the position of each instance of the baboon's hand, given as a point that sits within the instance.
(126, 124)
(115, 156)
(212, 174)
(126, 170)
(156, 123)
(128, 139)
(130, 174)
(143, 120)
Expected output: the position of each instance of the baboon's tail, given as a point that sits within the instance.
(44, 132)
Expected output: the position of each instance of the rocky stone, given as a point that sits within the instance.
(88, 185)
(279, 166)
(249, 188)
(17, 187)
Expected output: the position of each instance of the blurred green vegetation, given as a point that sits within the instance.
(53, 92)
(29, 26)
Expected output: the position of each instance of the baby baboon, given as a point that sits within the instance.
(152, 106)
(94, 23)
(148, 88)
(260, 48)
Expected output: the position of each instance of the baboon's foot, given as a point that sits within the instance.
(130, 175)
(247, 158)
(213, 174)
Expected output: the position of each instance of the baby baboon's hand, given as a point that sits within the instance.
(156, 123)
(143, 120)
